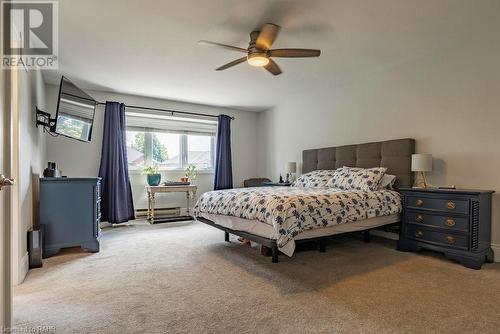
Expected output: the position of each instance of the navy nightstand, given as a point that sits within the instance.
(454, 222)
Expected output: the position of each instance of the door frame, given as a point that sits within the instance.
(6, 196)
(6, 205)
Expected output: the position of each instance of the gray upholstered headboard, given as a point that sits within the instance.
(395, 155)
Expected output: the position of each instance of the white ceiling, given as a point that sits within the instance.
(150, 47)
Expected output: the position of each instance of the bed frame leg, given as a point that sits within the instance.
(366, 236)
(274, 253)
(226, 236)
(322, 245)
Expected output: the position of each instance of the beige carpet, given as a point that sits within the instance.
(183, 278)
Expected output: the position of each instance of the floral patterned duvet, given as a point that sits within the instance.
(291, 210)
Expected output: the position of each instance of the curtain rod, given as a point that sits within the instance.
(168, 110)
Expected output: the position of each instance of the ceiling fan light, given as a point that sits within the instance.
(258, 60)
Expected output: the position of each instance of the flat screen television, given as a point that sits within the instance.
(75, 112)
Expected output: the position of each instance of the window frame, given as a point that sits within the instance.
(183, 149)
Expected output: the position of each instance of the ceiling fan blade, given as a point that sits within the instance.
(273, 67)
(225, 46)
(231, 64)
(267, 36)
(294, 53)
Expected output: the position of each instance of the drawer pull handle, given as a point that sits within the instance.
(419, 202)
(419, 234)
(450, 222)
(419, 218)
(450, 240)
(451, 205)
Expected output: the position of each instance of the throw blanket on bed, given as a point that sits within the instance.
(293, 210)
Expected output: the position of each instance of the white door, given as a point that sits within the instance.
(5, 202)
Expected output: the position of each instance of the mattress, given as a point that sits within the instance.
(267, 231)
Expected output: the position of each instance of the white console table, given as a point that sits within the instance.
(190, 191)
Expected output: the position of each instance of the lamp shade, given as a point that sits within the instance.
(291, 167)
(421, 162)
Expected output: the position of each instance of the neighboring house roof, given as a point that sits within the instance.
(195, 158)
(199, 157)
(134, 156)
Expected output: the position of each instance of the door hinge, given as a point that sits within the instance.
(5, 181)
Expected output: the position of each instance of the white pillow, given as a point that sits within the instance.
(353, 178)
(316, 178)
(387, 182)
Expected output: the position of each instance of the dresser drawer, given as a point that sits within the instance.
(452, 240)
(438, 204)
(447, 222)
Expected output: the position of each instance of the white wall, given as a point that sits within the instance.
(30, 150)
(82, 159)
(448, 101)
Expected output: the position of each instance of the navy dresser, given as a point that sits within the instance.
(70, 213)
(454, 222)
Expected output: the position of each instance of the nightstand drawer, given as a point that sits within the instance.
(438, 204)
(458, 241)
(449, 222)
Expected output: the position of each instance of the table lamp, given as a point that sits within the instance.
(291, 168)
(421, 163)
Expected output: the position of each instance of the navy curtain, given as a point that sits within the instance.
(223, 164)
(116, 194)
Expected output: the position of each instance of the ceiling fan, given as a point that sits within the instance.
(259, 52)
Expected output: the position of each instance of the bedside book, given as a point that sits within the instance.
(175, 183)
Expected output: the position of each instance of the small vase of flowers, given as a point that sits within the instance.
(153, 177)
(191, 173)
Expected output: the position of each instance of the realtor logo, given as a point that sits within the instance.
(29, 34)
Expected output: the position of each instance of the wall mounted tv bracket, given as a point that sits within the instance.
(43, 118)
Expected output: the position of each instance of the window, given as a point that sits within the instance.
(167, 150)
(136, 149)
(170, 151)
(168, 143)
(199, 151)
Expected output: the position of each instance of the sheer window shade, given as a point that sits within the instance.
(162, 122)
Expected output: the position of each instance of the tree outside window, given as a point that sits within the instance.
(159, 153)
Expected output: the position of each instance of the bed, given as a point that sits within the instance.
(278, 217)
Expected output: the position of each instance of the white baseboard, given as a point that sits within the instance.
(496, 250)
(105, 224)
(22, 271)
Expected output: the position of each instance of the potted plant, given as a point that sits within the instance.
(153, 177)
(191, 172)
